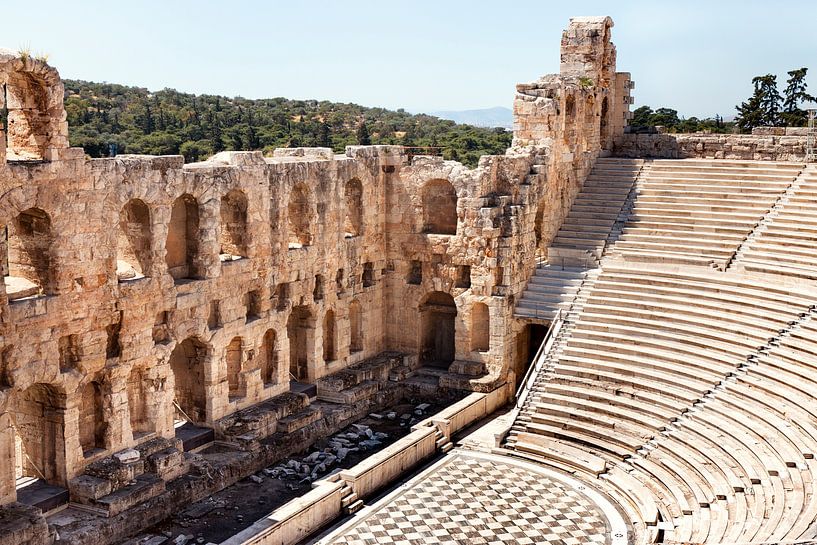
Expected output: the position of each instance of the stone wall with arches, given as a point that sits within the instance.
(138, 292)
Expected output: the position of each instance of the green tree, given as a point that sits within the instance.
(324, 139)
(642, 117)
(363, 137)
(665, 117)
(794, 95)
(763, 107)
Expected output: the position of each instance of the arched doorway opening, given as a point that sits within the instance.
(133, 251)
(189, 396)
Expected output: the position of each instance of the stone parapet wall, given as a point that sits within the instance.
(765, 145)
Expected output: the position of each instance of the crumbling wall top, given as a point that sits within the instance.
(32, 91)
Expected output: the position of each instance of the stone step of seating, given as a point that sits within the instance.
(725, 163)
(693, 177)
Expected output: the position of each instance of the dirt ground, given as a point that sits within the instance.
(222, 515)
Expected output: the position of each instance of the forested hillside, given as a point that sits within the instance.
(103, 117)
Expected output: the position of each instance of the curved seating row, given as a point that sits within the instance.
(690, 394)
(698, 212)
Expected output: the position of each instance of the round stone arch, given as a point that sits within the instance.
(31, 211)
(189, 364)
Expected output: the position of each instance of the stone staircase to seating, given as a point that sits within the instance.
(699, 212)
(586, 229)
(786, 240)
(582, 239)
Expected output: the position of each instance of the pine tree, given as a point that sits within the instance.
(324, 139)
(147, 121)
(794, 95)
(763, 107)
(363, 137)
(770, 102)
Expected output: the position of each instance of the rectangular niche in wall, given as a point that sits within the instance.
(368, 275)
(161, 334)
(252, 302)
(317, 292)
(415, 275)
(69, 352)
(281, 296)
(214, 318)
(463, 276)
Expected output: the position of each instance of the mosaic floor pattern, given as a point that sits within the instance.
(474, 500)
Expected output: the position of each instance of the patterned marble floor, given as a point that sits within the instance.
(476, 499)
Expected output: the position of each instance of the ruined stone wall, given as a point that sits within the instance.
(764, 145)
(134, 283)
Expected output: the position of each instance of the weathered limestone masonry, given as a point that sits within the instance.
(139, 291)
(764, 144)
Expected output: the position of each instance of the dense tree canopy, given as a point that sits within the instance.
(767, 108)
(105, 118)
(645, 117)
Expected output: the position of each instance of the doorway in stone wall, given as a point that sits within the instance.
(37, 418)
(299, 327)
(438, 314)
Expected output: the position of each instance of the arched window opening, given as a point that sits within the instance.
(439, 208)
(140, 423)
(133, 244)
(269, 353)
(187, 364)
(329, 337)
(480, 327)
(235, 361)
(92, 426)
(233, 226)
(353, 225)
(437, 317)
(356, 327)
(27, 263)
(299, 331)
(38, 421)
(300, 217)
(183, 239)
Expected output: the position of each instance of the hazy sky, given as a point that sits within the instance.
(696, 56)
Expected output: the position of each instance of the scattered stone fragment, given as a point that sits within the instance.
(256, 479)
(127, 456)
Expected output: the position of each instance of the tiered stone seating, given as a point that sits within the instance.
(581, 240)
(582, 236)
(688, 392)
(787, 242)
(700, 211)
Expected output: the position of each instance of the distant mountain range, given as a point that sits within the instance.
(498, 116)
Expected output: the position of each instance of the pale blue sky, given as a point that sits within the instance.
(696, 56)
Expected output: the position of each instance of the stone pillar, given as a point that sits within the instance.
(8, 460)
(116, 410)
